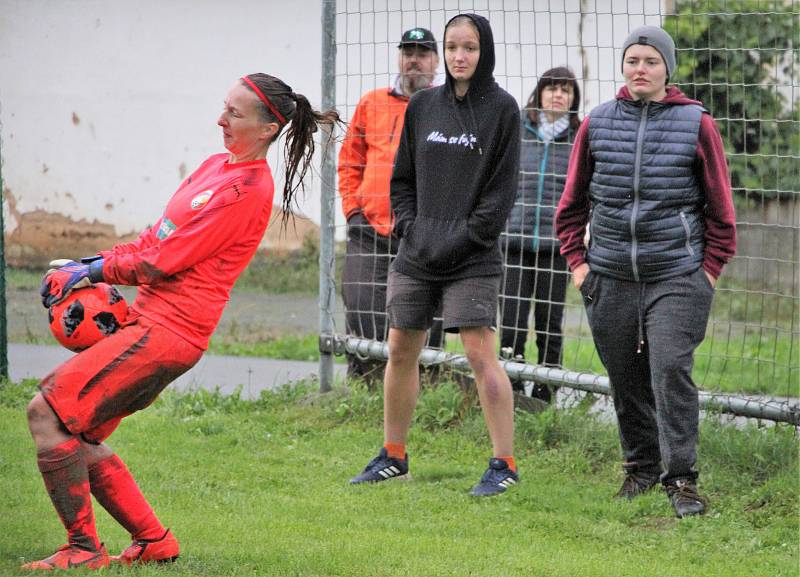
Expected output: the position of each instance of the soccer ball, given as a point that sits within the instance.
(87, 315)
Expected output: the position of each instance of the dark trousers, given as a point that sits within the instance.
(541, 277)
(655, 398)
(366, 268)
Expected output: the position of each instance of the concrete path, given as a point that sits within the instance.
(213, 371)
(257, 374)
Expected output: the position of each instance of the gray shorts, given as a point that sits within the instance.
(468, 302)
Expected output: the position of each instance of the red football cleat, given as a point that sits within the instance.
(164, 550)
(71, 557)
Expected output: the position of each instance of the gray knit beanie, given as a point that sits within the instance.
(658, 39)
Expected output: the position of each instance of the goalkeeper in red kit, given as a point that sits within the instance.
(185, 267)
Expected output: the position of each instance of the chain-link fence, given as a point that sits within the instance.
(738, 58)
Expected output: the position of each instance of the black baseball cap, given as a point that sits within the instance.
(418, 37)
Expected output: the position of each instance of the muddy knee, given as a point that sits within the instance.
(42, 420)
(39, 411)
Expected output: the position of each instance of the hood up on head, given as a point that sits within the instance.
(483, 73)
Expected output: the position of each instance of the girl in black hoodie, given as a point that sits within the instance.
(453, 185)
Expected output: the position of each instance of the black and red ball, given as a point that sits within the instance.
(87, 316)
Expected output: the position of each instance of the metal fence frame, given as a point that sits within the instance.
(331, 344)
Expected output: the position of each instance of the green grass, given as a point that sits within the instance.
(744, 364)
(260, 489)
(752, 346)
(287, 272)
(270, 272)
(23, 279)
(748, 364)
(290, 347)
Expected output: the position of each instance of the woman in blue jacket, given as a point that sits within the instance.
(534, 269)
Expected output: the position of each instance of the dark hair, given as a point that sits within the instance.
(302, 121)
(561, 75)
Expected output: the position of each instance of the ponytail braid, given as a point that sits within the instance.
(302, 121)
(300, 146)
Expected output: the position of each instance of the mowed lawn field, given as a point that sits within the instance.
(260, 488)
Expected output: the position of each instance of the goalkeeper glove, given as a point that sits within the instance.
(65, 275)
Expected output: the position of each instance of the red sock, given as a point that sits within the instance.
(115, 489)
(510, 462)
(67, 483)
(395, 450)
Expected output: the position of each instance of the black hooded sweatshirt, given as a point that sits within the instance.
(455, 175)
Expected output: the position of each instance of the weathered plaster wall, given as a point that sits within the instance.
(106, 105)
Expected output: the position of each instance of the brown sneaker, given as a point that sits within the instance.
(636, 481)
(684, 498)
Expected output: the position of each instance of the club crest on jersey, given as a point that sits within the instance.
(167, 228)
(201, 199)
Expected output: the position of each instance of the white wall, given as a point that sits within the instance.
(106, 104)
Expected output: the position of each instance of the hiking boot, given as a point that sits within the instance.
(70, 557)
(497, 479)
(164, 550)
(636, 481)
(382, 468)
(684, 498)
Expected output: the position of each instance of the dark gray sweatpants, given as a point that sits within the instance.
(654, 395)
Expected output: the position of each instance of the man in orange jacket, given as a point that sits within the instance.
(365, 169)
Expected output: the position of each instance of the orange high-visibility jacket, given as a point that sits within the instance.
(367, 157)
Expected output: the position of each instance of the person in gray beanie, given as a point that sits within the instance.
(658, 39)
(648, 174)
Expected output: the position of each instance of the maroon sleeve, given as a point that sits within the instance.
(719, 214)
(572, 214)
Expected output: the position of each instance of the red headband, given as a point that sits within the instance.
(265, 100)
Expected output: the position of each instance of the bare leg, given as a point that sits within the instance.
(48, 432)
(401, 383)
(45, 427)
(494, 388)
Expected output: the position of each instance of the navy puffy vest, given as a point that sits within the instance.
(543, 173)
(647, 207)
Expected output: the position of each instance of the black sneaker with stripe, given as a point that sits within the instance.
(497, 479)
(382, 468)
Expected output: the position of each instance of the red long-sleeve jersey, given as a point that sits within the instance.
(187, 263)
